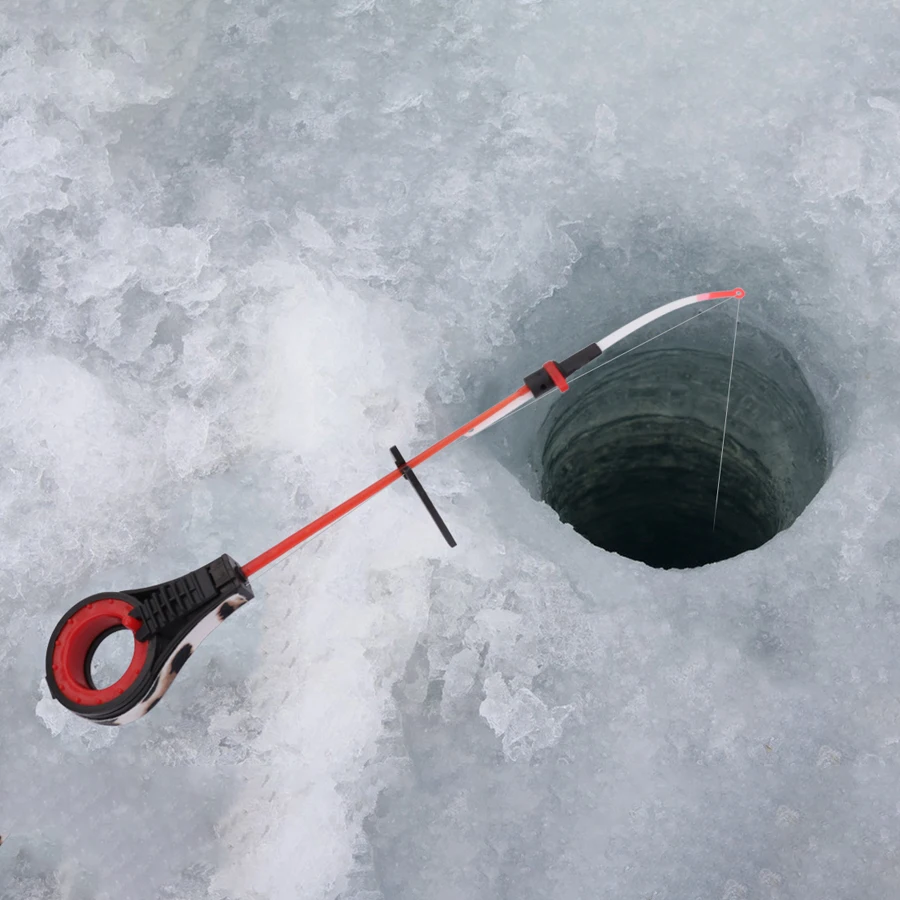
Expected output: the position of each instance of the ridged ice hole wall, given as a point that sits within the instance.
(631, 460)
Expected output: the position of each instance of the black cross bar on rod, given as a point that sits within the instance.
(410, 476)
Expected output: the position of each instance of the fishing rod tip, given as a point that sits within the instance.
(721, 295)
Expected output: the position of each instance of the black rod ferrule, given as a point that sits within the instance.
(579, 359)
(541, 381)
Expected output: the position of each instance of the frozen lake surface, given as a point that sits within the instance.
(247, 247)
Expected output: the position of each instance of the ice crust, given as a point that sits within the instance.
(247, 247)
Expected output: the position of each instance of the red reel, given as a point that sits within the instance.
(78, 639)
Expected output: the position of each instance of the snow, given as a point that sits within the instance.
(244, 249)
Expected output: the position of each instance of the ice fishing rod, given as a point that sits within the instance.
(168, 620)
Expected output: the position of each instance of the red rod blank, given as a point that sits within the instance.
(298, 537)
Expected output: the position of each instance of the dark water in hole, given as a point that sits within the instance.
(632, 461)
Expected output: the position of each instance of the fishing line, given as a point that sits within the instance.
(737, 317)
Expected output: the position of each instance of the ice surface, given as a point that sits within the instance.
(246, 247)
